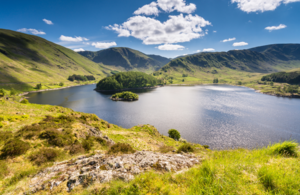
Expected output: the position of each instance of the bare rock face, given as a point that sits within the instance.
(101, 168)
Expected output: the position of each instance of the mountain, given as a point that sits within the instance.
(251, 62)
(29, 59)
(126, 59)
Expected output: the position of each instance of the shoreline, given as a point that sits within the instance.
(25, 93)
(116, 90)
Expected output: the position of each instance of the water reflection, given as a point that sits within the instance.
(220, 116)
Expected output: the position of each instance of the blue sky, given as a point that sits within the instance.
(165, 27)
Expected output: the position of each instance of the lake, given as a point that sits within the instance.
(221, 116)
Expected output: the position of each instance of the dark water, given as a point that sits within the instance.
(220, 116)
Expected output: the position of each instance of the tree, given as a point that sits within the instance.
(272, 83)
(173, 133)
(39, 86)
(61, 84)
(216, 80)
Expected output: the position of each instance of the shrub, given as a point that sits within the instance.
(5, 135)
(88, 143)
(38, 86)
(44, 155)
(166, 149)
(3, 169)
(287, 148)
(76, 148)
(56, 138)
(173, 133)
(61, 84)
(206, 146)
(14, 147)
(24, 101)
(185, 148)
(121, 148)
(101, 141)
(239, 83)
(1, 125)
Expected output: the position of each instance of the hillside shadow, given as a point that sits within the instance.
(16, 47)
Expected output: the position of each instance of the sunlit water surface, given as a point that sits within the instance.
(220, 116)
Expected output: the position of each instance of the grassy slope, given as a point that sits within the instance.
(30, 59)
(124, 58)
(238, 171)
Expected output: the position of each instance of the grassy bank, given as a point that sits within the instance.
(270, 170)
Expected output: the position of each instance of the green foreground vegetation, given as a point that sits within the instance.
(33, 137)
(126, 95)
(127, 80)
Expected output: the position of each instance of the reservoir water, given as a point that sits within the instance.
(220, 116)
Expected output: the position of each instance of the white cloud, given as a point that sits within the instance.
(214, 31)
(149, 9)
(170, 47)
(198, 51)
(167, 6)
(270, 28)
(260, 5)
(176, 29)
(30, 30)
(227, 40)
(104, 45)
(208, 50)
(48, 21)
(72, 39)
(185, 54)
(236, 44)
(78, 50)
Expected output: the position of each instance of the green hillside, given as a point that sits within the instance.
(27, 59)
(232, 66)
(126, 59)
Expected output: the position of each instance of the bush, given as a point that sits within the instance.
(76, 148)
(24, 101)
(185, 148)
(1, 125)
(88, 143)
(61, 84)
(287, 148)
(127, 95)
(206, 146)
(38, 86)
(44, 155)
(101, 141)
(56, 138)
(14, 147)
(239, 83)
(121, 148)
(166, 149)
(173, 133)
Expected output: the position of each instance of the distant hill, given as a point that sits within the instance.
(263, 59)
(127, 59)
(29, 59)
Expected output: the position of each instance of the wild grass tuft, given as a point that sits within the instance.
(44, 155)
(286, 148)
(122, 148)
(185, 148)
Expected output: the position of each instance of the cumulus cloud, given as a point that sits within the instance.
(30, 30)
(149, 9)
(214, 31)
(270, 28)
(236, 44)
(72, 39)
(227, 40)
(103, 45)
(260, 5)
(167, 6)
(151, 31)
(208, 50)
(48, 21)
(170, 47)
(78, 50)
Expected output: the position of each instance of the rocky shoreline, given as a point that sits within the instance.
(127, 89)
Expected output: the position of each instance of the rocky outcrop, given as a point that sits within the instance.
(102, 168)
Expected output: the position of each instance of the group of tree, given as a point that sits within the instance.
(289, 89)
(283, 77)
(216, 80)
(185, 75)
(127, 80)
(81, 77)
(126, 95)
